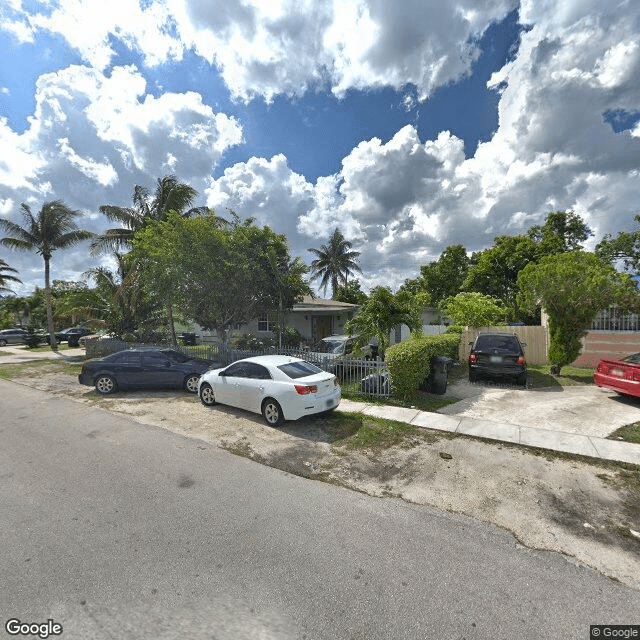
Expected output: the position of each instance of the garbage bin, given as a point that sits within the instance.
(189, 339)
(437, 380)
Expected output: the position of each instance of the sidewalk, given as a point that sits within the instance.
(590, 446)
(17, 354)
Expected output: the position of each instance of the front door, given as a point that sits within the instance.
(320, 327)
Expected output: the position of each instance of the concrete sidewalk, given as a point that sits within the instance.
(578, 444)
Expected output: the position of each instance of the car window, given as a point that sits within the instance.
(126, 357)
(296, 370)
(505, 343)
(236, 370)
(633, 358)
(154, 359)
(174, 356)
(256, 371)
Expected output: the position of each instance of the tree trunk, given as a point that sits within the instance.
(171, 328)
(47, 290)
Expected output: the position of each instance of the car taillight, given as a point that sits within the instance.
(472, 357)
(521, 360)
(635, 375)
(303, 389)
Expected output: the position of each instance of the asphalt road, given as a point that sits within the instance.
(118, 530)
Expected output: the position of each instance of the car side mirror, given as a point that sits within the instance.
(471, 344)
(222, 374)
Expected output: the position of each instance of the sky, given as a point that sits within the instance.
(410, 126)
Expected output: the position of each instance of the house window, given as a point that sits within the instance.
(264, 324)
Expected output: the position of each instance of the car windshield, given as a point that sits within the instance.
(501, 343)
(634, 358)
(175, 356)
(297, 370)
(330, 346)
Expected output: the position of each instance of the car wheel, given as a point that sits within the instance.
(105, 385)
(473, 377)
(3, 343)
(272, 412)
(207, 397)
(522, 379)
(191, 383)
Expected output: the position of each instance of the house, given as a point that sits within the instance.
(314, 318)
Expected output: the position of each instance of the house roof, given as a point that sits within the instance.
(310, 304)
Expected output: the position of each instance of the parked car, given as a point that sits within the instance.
(622, 375)
(136, 368)
(498, 355)
(13, 336)
(279, 387)
(72, 335)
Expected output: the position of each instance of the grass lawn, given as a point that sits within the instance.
(628, 433)
(8, 371)
(569, 376)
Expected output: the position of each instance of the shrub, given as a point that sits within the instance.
(455, 328)
(408, 361)
(249, 342)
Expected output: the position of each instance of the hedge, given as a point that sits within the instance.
(408, 361)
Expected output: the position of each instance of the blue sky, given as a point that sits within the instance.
(410, 126)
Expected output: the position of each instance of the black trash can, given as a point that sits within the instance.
(437, 380)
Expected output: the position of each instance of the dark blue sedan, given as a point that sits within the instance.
(143, 368)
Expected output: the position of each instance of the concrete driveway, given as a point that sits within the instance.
(585, 410)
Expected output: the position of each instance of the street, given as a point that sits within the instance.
(119, 530)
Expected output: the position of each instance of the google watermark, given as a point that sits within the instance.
(43, 630)
(598, 631)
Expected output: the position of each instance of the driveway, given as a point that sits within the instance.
(584, 410)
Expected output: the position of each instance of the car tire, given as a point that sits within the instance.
(272, 412)
(207, 396)
(105, 385)
(3, 343)
(191, 383)
(473, 377)
(522, 379)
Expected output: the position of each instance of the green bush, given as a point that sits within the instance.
(455, 328)
(249, 342)
(408, 361)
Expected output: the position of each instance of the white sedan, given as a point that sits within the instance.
(279, 387)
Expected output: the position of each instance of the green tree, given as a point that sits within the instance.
(169, 195)
(562, 231)
(444, 277)
(572, 287)
(474, 309)
(53, 228)
(495, 270)
(221, 275)
(334, 262)
(6, 276)
(624, 247)
(351, 293)
(381, 312)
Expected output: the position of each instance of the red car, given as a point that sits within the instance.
(622, 376)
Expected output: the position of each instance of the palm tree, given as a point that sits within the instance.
(334, 262)
(6, 276)
(170, 195)
(53, 228)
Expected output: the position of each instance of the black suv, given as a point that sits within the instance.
(498, 355)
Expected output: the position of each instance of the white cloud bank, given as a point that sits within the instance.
(96, 130)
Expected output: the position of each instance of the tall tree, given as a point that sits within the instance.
(169, 195)
(53, 228)
(334, 262)
(6, 276)
(444, 277)
(572, 287)
(495, 270)
(562, 231)
(625, 247)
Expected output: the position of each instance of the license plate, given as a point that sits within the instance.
(616, 372)
(495, 359)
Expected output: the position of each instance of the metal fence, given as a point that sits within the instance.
(612, 319)
(357, 375)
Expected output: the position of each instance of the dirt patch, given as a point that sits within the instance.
(587, 510)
